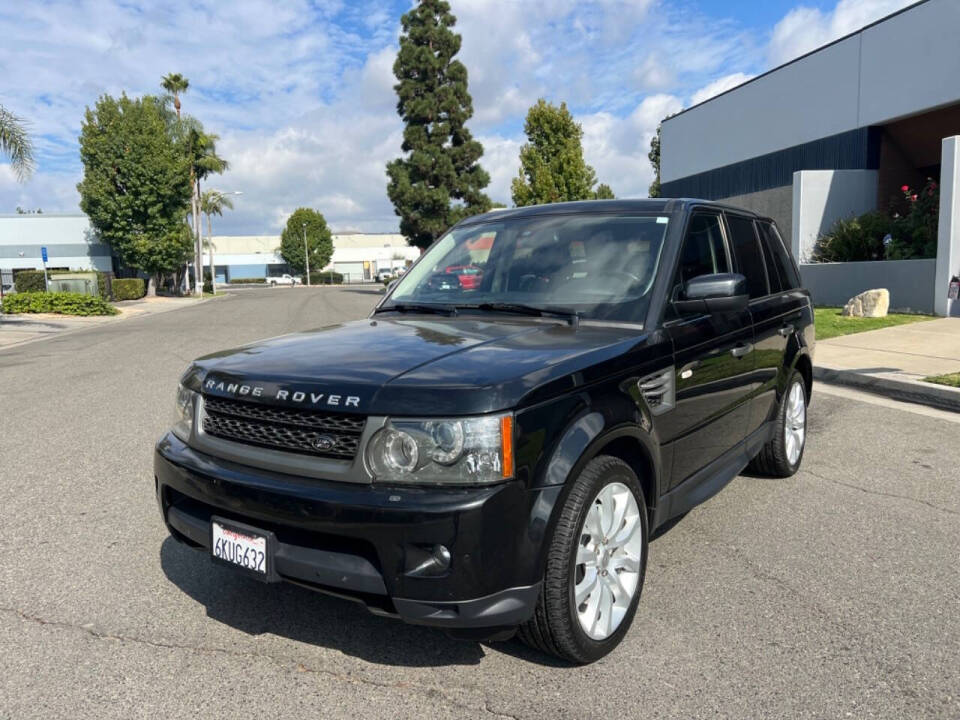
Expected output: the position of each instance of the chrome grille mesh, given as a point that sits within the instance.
(288, 429)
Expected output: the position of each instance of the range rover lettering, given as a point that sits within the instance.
(491, 457)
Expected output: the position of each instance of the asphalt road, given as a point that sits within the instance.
(835, 593)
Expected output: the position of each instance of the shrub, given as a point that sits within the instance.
(129, 289)
(29, 281)
(915, 230)
(32, 281)
(854, 239)
(327, 277)
(62, 303)
(244, 281)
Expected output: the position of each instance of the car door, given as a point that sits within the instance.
(776, 317)
(713, 360)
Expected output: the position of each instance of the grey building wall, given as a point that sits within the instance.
(858, 81)
(776, 203)
(910, 282)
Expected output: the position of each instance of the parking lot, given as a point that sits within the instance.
(835, 593)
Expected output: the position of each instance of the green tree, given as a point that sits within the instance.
(319, 240)
(213, 202)
(552, 168)
(439, 180)
(15, 143)
(175, 84)
(200, 148)
(604, 192)
(135, 187)
(654, 156)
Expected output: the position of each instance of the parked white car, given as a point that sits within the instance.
(285, 280)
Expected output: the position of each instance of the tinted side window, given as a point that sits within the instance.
(774, 277)
(773, 245)
(703, 252)
(747, 251)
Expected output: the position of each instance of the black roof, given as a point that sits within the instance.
(653, 205)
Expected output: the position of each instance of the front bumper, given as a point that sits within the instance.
(370, 543)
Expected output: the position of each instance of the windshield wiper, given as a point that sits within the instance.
(571, 316)
(442, 309)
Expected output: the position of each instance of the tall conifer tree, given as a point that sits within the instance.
(439, 180)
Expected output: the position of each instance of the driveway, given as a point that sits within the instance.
(832, 594)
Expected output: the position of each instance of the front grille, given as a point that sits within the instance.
(291, 430)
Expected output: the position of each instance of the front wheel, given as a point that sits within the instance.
(782, 454)
(595, 566)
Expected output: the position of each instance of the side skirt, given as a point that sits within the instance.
(705, 483)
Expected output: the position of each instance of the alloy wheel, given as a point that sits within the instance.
(795, 423)
(607, 566)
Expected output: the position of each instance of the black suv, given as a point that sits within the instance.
(492, 456)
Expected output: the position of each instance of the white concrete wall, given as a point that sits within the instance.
(909, 282)
(948, 237)
(902, 66)
(821, 197)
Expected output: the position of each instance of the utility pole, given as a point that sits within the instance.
(306, 254)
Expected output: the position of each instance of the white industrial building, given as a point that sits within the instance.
(72, 245)
(836, 133)
(357, 256)
(69, 241)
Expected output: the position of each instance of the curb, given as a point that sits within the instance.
(905, 389)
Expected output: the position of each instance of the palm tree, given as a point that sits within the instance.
(16, 144)
(175, 84)
(201, 148)
(213, 202)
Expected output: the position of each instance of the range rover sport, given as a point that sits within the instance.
(491, 457)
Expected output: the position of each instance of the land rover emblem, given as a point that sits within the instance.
(323, 442)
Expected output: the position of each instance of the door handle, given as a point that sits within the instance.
(741, 350)
(786, 330)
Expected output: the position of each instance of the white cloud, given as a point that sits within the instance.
(804, 28)
(301, 93)
(718, 86)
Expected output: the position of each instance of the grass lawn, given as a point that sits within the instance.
(951, 379)
(830, 323)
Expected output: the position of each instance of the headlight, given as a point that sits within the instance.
(183, 413)
(463, 451)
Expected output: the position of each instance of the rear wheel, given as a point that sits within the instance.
(782, 454)
(595, 565)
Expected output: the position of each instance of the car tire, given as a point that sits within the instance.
(556, 627)
(273, 283)
(783, 453)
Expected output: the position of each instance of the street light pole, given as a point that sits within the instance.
(306, 254)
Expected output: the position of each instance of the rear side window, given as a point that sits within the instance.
(703, 252)
(777, 252)
(746, 248)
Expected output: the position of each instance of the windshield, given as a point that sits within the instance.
(600, 266)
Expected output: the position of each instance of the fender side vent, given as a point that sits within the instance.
(659, 390)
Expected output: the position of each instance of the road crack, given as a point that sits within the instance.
(881, 493)
(430, 691)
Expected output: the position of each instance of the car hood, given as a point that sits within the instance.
(419, 366)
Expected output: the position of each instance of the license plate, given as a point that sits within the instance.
(242, 547)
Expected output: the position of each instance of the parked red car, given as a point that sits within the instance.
(468, 275)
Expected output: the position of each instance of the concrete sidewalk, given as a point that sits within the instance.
(893, 361)
(29, 327)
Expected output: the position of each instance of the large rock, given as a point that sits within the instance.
(869, 303)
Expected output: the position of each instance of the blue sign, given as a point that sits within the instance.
(43, 252)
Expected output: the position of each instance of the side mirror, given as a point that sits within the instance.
(390, 286)
(718, 293)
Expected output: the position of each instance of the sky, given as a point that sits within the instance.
(301, 91)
